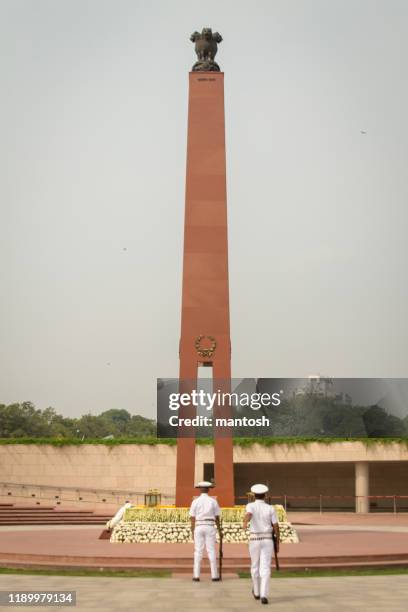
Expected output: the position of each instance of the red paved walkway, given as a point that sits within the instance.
(81, 547)
(345, 518)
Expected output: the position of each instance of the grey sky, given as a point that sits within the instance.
(92, 161)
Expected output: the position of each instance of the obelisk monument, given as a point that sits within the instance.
(205, 320)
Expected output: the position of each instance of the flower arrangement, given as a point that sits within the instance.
(172, 525)
(171, 514)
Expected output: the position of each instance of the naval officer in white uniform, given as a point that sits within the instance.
(263, 522)
(205, 518)
(118, 516)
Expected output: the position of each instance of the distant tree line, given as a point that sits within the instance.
(312, 416)
(305, 416)
(25, 420)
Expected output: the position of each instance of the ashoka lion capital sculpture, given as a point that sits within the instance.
(206, 46)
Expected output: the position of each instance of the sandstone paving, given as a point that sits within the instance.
(351, 593)
(84, 544)
(379, 519)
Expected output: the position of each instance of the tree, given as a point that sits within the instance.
(379, 424)
(24, 420)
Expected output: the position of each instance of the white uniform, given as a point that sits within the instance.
(205, 508)
(261, 545)
(118, 516)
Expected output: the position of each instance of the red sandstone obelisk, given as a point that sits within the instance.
(205, 321)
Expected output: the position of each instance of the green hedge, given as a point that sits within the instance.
(243, 442)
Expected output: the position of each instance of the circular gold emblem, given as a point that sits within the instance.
(205, 351)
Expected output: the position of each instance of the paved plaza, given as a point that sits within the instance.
(388, 593)
(384, 541)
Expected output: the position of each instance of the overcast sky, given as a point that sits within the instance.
(92, 161)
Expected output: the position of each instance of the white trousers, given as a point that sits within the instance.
(204, 536)
(261, 552)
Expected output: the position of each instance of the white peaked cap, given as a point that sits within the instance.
(259, 488)
(204, 484)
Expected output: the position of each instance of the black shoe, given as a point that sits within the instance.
(255, 596)
(196, 580)
(216, 579)
(264, 600)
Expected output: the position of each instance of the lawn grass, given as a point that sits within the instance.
(136, 573)
(104, 573)
(329, 573)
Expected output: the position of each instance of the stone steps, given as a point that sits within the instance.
(66, 521)
(49, 513)
(46, 515)
(24, 508)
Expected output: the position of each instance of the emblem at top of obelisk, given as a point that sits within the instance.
(206, 46)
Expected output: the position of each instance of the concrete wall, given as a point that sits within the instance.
(300, 468)
(301, 482)
(133, 467)
(389, 478)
